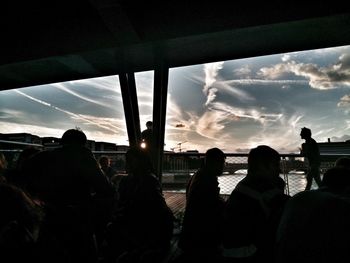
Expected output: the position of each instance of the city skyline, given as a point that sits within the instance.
(234, 105)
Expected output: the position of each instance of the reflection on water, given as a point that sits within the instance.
(296, 182)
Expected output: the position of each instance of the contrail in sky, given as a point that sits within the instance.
(74, 115)
(64, 88)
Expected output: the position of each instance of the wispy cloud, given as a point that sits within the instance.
(244, 71)
(294, 121)
(105, 123)
(235, 113)
(265, 81)
(109, 83)
(323, 78)
(211, 71)
(227, 88)
(344, 101)
(217, 104)
(32, 98)
(209, 124)
(62, 87)
(8, 114)
(13, 127)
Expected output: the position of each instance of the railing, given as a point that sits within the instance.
(178, 168)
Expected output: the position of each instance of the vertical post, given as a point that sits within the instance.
(131, 110)
(159, 112)
(285, 175)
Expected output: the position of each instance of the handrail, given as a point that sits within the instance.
(21, 143)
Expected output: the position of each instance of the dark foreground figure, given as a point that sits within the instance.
(143, 223)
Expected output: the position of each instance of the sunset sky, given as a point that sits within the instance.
(234, 105)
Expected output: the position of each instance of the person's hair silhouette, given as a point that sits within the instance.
(73, 137)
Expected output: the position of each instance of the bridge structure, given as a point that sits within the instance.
(115, 37)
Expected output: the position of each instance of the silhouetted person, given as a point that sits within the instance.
(3, 162)
(337, 179)
(69, 181)
(147, 137)
(200, 237)
(343, 162)
(254, 209)
(143, 224)
(3, 168)
(19, 226)
(310, 150)
(315, 226)
(105, 164)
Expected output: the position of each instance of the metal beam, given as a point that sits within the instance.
(161, 74)
(131, 110)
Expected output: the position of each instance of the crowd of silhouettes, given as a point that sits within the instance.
(60, 205)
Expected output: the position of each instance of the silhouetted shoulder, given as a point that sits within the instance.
(314, 228)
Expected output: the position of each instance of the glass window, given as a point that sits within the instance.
(236, 105)
(144, 88)
(93, 105)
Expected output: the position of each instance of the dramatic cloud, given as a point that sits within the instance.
(227, 88)
(341, 139)
(12, 127)
(344, 101)
(63, 87)
(211, 71)
(243, 72)
(322, 78)
(210, 124)
(108, 124)
(234, 113)
(234, 105)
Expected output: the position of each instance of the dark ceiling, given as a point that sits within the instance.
(52, 41)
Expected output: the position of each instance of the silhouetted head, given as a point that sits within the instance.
(305, 133)
(337, 179)
(343, 162)
(149, 125)
(104, 161)
(263, 161)
(73, 137)
(215, 160)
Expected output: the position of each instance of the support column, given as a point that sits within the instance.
(131, 110)
(161, 74)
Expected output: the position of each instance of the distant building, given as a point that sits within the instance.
(15, 141)
(105, 146)
(23, 140)
(122, 148)
(334, 149)
(192, 151)
(50, 142)
(21, 137)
